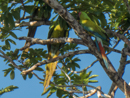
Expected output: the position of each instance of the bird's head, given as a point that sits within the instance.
(83, 16)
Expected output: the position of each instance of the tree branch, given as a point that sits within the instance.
(111, 72)
(24, 72)
(32, 23)
(120, 36)
(49, 41)
(120, 69)
(84, 85)
(10, 60)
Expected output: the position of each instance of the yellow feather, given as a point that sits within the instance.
(55, 32)
(50, 68)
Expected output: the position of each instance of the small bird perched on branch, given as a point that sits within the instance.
(43, 12)
(96, 31)
(58, 30)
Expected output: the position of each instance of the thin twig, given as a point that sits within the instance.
(120, 69)
(84, 85)
(10, 60)
(32, 23)
(23, 8)
(65, 74)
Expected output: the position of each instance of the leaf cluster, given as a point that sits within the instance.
(7, 89)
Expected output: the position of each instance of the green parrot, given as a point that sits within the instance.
(96, 31)
(59, 29)
(43, 12)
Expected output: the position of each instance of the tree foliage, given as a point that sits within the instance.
(112, 15)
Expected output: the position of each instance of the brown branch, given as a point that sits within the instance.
(37, 76)
(111, 72)
(24, 72)
(84, 68)
(10, 60)
(65, 74)
(32, 23)
(120, 36)
(49, 41)
(23, 8)
(112, 49)
(86, 92)
(25, 17)
(84, 85)
(88, 95)
(120, 70)
(127, 62)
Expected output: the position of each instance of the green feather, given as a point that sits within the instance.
(93, 28)
(56, 31)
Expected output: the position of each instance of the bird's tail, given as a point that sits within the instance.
(50, 68)
(31, 33)
(100, 47)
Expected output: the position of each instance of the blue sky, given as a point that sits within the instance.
(31, 88)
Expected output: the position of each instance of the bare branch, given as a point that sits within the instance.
(120, 69)
(24, 72)
(32, 23)
(112, 49)
(84, 85)
(120, 36)
(49, 41)
(127, 62)
(84, 68)
(23, 8)
(65, 74)
(88, 95)
(111, 72)
(37, 76)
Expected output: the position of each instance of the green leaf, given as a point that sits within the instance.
(24, 77)
(39, 69)
(11, 66)
(8, 89)
(76, 59)
(88, 74)
(30, 75)
(93, 76)
(6, 21)
(83, 73)
(29, 9)
(13, 35)
(6, 48)
(93, 81)
(11, 20)
(16, 13)
(7, 44)
(28, 1)
(53, 90)
(4, 8)
(47, 90)
(103, 20)
(13, 42)
(6, 71)
(60, 93)
(12, 75)
(76, 65)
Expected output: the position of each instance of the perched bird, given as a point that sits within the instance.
(96, 31)
(58, 30)
(41, 12)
